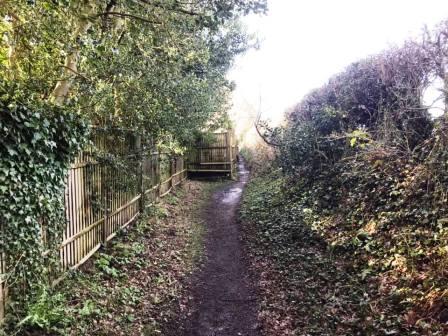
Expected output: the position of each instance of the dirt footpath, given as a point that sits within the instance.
(223, 296)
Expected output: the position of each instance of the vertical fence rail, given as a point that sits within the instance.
(216, 153)
(2, 274)
(102, 197)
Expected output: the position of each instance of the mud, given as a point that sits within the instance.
(224, 300)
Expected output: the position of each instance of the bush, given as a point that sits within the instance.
(366, 169)
(259, 158)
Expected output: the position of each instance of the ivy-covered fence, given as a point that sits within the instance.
(38, 141)
(52, 221)
(2, 289)
(108, 186)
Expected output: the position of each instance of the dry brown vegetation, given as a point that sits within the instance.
(137, 285)
(363, 177)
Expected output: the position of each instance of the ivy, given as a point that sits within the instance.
(364, 176)
(157, 68)
(38, 141)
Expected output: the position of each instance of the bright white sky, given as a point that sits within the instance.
(305, 42)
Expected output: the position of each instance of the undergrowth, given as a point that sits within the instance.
(136, 285)
(363, 186)
(337, 269)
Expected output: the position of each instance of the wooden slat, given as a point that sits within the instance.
(216, 155)
(151, 189)
(2, 300)
(165, 193)
(210, 170)
(92, 187)
(215, 163)
(82, 232)
(112, 235)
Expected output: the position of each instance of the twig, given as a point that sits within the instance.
(127, 15)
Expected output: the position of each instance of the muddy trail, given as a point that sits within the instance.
(224, 300)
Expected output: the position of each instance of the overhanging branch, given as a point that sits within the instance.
(132, 16)
(256, 122)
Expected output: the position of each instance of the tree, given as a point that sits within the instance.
(155, 66)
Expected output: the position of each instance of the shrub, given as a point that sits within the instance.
(369, 165)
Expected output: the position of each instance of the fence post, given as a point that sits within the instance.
(172, 171)
(104, 192)
(159, 179)
(140, 180)
(229, 152)
(154, 174)
(3, 289)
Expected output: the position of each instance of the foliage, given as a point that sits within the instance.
(154, 66)
(137, 284)
(38, 141)
(365, 176)
(48, 312)
(381, 96)
(259, 158)
(304, 290)
(157, 68)
(384, 256)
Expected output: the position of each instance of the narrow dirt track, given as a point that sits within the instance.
(223, 296)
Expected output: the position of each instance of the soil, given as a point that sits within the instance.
(223, 296)
(152, 285)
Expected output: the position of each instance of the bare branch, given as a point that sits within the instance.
(132, 16)
(256, 122)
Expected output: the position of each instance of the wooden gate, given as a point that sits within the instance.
(214, 153)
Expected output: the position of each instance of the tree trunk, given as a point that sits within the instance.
(62, 88)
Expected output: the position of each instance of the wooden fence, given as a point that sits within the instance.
(215, 153)
(3, 290)
(108, 186)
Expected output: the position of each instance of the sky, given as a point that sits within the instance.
(304, 42)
